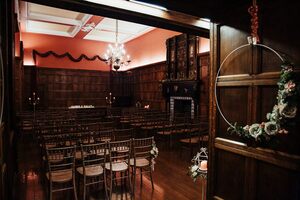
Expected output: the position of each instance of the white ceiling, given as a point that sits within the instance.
(36, 18)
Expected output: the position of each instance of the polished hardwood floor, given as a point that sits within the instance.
(171, 181)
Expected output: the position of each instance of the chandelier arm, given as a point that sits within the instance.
(117, 31)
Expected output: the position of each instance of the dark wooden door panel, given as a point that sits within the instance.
(277, 183)
(247, 91)
(233, 102)
(232, 38)
(230, 169)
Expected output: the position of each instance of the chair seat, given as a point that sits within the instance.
(164, 132)
(60, 176)
(108, 139)
(48, 146)
(92, 170)
(195, 140)
(140, 162)
(117, 167)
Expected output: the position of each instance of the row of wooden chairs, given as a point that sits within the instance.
(85, 137)
(105, 163)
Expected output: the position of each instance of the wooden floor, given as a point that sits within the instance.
(170, 178)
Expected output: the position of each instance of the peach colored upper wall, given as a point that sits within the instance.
(203, 45)
(58, 44)
(148, 48)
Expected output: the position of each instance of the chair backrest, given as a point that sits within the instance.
(123, 134)
(86, 138)
(103, 136)
(51, 141)
(106, 125)
(119, 151)
(61, 158)
(91, 126)
(142, 147)
(94, 154)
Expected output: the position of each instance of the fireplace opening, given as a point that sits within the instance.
(182, 107)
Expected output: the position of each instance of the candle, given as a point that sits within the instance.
(203, 165)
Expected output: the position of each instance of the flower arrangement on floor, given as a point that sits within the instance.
(154, 154)
(199, 165)
(285, 109)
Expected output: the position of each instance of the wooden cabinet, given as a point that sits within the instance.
(182, 53)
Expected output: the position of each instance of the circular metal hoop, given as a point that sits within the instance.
(217, 76)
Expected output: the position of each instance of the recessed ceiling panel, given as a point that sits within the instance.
(123, 26)
(54, 21)
(46, 10)
(48, 28)
(105, 36)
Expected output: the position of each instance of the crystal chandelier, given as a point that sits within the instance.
(115, 55)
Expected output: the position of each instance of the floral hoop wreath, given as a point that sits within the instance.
(286, 107)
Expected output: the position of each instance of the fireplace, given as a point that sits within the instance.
(181, 105)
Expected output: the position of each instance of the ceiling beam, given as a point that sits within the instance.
(172, 21)
(94, 19)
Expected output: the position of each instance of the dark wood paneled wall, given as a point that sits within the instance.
(60, 88)
(147, 86)
(8, 27)
(247, 90)
(18, 79)
(122, 88)
(204, 83)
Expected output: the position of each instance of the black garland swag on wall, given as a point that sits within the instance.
(67, 54)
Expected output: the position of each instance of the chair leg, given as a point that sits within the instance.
(134, 179)
(151, 178)
(141, 169)
(84, 188)
(74, 188)
(191, 151)
(130, 187)
(105, 185)
(110, 187)
(50, 190)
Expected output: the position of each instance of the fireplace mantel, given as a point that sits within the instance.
(181, 88)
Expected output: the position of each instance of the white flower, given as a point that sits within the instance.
(194, 174)
(274, 115)
(287, 111)
(194, 168)
(246, 128)
(290, 86)
(255, 130)
(271, 128)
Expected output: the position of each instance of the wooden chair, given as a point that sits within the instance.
(142, 158)
(103, 136)
(123, 134)
(61, 169)
(93, 162)
(119, 157)
(195, 137)
(166, 132)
